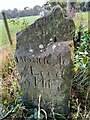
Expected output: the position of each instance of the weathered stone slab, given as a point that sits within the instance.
(44, 54)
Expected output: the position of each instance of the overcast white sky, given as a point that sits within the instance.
(20, 4)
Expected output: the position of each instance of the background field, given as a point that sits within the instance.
(80, 18)
(14, 28)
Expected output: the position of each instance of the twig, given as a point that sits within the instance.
(60, 115)
(8, 114)
(86, 102)
(78, 109)
(39, 107)
(53, 112)
(44, 113)
(88, 115)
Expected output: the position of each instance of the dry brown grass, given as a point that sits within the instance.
(9, 74)
(5, 54)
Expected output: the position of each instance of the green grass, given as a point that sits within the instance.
(81, 19)
(14, 28)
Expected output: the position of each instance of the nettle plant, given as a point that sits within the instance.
(82, 50)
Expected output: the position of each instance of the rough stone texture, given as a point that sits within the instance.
(44, 53)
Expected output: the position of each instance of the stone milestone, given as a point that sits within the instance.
(44, 58)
